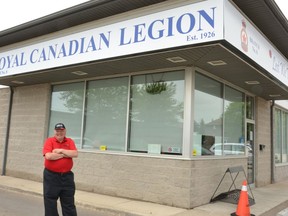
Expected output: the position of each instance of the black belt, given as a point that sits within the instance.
(58, 173)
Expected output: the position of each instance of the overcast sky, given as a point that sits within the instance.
(16, 12)
(283, 6)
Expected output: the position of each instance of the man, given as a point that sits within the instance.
(58, 179)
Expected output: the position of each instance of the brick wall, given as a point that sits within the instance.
(208, 174)
(29, 116)
(281, 173)
(4, 106)
(263, 136)
(175, 182)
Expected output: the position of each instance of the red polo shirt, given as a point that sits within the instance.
(63, 164)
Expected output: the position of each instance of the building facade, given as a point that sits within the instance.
(160, 97)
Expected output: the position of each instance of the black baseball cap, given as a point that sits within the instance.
(59, 126)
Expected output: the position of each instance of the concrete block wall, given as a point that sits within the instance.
(281, 173)
(263, 136)
(159, 180)
(29, 118)
(169, 181)
(4, 106)
(207, 175)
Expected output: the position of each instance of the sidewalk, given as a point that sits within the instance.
(269, 201)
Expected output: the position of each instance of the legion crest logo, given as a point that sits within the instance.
(244, 37)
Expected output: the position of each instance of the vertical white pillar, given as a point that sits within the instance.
(188, 112)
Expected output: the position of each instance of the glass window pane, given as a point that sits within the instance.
(234, 121)
(285, 137)
(67, 107)
(106, 114)
(278, 137)
(208, 111)
(156, 113)
(249, 107)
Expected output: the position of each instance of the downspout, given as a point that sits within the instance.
(272, 142)
(7, 132)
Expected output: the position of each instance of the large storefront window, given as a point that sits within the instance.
(219, 118)
(233, 122)
(155, 123)
(96, 115)
(67, 107)
(106, 114)
(156, 113)
(208, 115)
(281, 136)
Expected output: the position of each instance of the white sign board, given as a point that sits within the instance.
(242, 34)
(186, 25)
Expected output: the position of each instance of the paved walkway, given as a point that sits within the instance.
(269, 201)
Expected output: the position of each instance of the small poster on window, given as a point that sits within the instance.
(154, 148)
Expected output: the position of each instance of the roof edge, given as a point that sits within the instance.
(59, 14)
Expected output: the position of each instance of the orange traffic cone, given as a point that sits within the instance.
(243, 208)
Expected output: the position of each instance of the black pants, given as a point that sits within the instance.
(61, 186)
